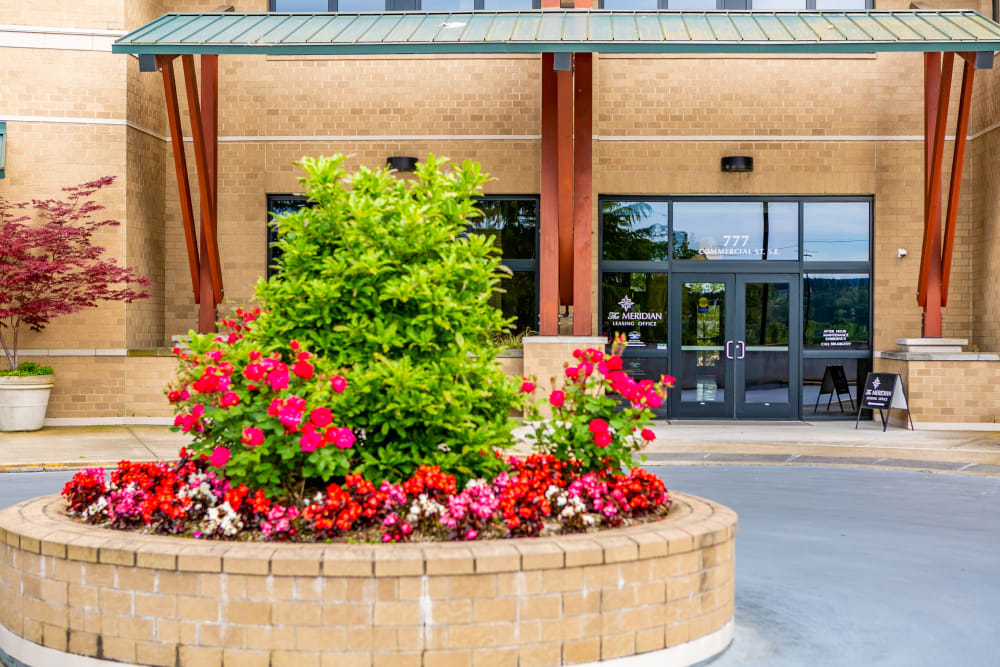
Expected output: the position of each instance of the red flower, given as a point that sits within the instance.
(253, 372)
(321, 417)
(648, 435)
(615, 362)
(598, 426)
(229, 399)
(572, 372)
(527, 386)
(310, 441)
(252, 437)
(220, 456)
(557, 398)
(303, 369)
(338, 383)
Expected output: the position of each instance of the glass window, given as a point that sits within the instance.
(635, 304)
(507, 4)
(299, 6)
(842, 4)
(736, 230)
(830, 387)
(837, 311)
(512, 223)
(700, 5)
(835, 231)
(279, 205)
(635, 230)
(517, 298)
(778, 4)
(447, 5)
(630, 4)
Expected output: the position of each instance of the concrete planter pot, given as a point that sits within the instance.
(23, 401)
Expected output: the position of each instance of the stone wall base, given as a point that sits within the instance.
(955, 390)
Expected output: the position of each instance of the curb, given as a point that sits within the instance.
(792, 460)
(58, 467)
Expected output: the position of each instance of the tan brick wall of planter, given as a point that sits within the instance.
(173, 602)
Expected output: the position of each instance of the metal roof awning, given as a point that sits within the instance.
(581, 31)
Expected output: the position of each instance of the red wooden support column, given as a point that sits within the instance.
(958, 160)
(210, 131)
(206, 197)
(583, 177)
(166, 67)
(936, 116)
(548, 233)
(564, 149)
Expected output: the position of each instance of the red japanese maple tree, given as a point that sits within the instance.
(49, 266)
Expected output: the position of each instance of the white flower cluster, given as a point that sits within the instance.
(425, 508)
(199, 490)
(567, 507)
(95, 508)
(221, 520)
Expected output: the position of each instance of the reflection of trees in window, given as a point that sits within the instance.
(703, 325)
(837, 302)
(511, 223)
(278, 205)
(766, 309)
(626, 239)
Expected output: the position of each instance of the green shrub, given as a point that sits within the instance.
(27, 369)
(380, 284)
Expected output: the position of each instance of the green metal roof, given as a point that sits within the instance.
(565, 30)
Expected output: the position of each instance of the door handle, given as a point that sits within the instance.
(741, 348)
(729, 355)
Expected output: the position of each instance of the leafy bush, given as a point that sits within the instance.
(380, 280)
(600, 415)
(377, 284)
(27, 369)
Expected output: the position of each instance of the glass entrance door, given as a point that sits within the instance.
(735, 352)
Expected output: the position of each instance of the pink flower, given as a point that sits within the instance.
(310, 441)
(587, 368)
(303, 369)
(471, 534)
(278, 378)
(229, 399)
(198, 410)
(321, 417)
(598, 426)
(290, 417)
(527, 386)
(602, 439)
(572, 372)
(345, 438)
(557, 398)
(654, 400)
(338, 383)
(648, 435)
(253, 372)
(615, 362)
(220, 456)
(668, 380)
(252, 437)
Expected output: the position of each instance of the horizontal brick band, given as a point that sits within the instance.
(167, 601)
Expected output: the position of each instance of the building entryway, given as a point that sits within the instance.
(736, 346)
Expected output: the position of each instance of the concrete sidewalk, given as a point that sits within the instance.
(826, 443)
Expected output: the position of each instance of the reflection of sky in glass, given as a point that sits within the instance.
(835, 232)
(778, 4)
(630, 4)
(447, 5)
(691, 4)
(507, 4)
(840, 4)
(735, 230)
(300, 5)
(361, 5)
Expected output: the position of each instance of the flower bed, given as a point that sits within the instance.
(70, 589)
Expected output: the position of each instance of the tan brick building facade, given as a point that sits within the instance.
(823, 125)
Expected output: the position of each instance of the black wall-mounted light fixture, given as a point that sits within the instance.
(401, 163)
(737, 163)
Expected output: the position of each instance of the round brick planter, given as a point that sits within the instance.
(75, 594)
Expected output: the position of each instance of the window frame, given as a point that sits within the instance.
(271, 230)
(392, 6)
(721, 5)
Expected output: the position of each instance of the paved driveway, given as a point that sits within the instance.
(835, 566)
